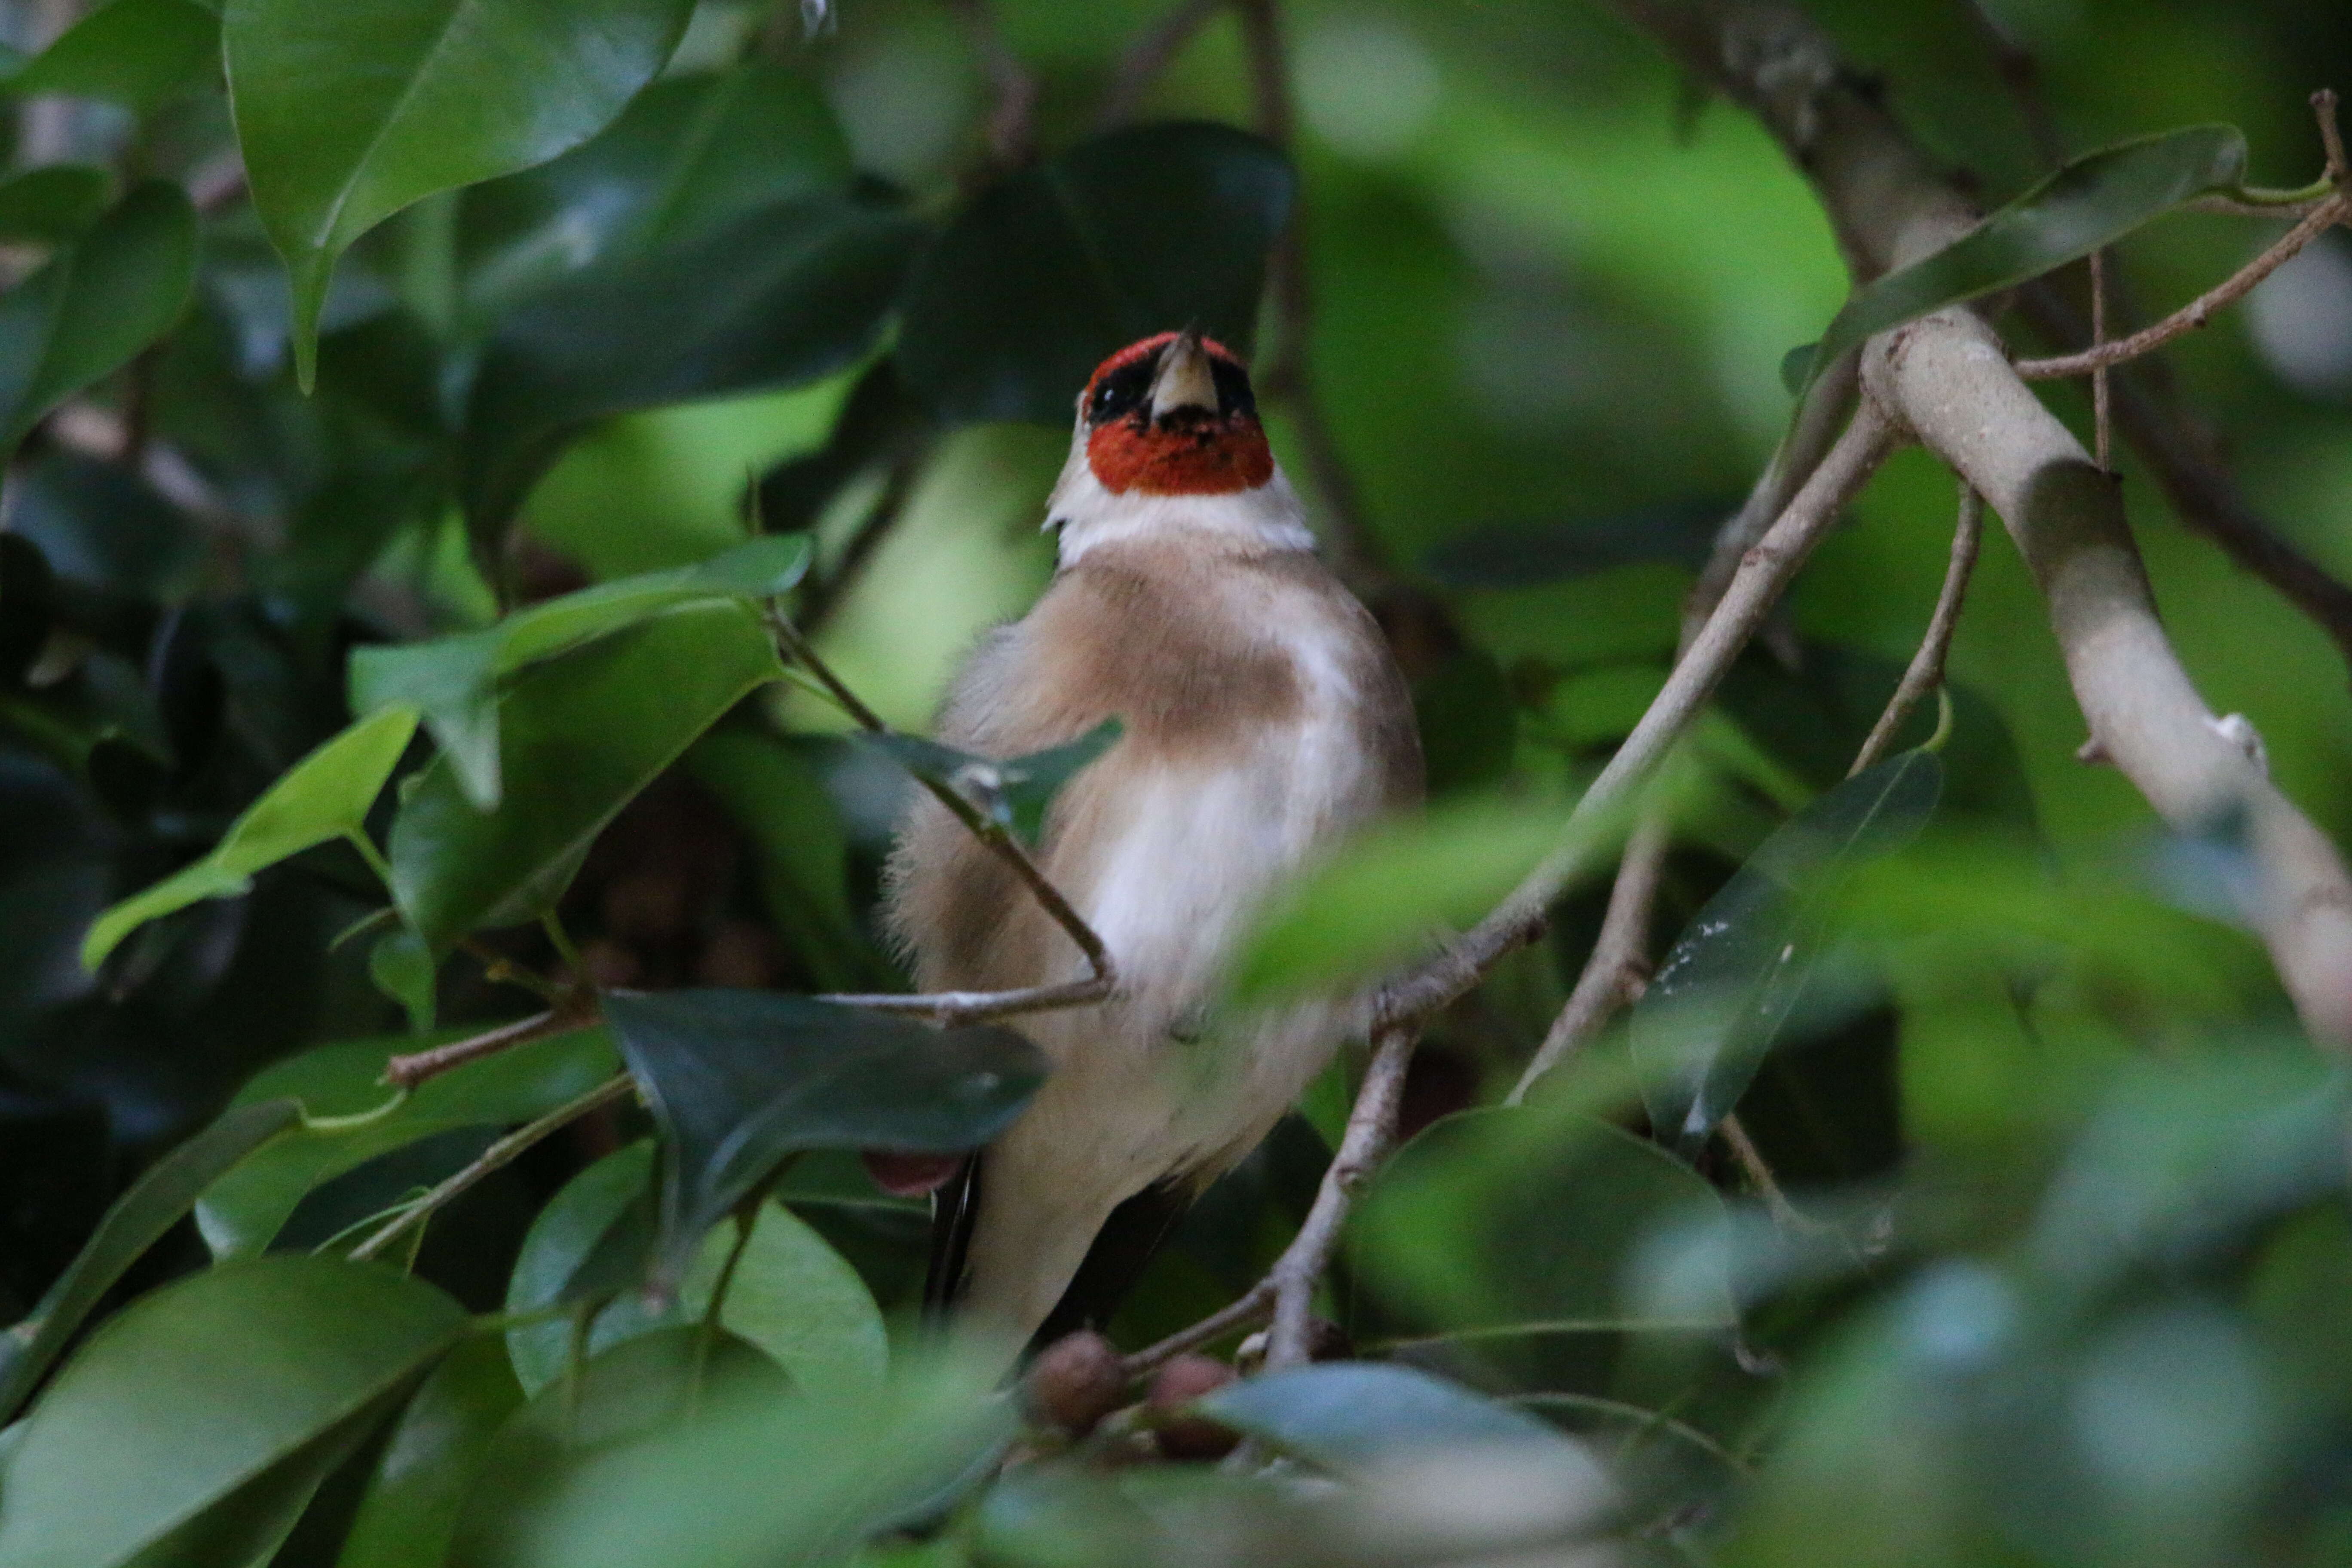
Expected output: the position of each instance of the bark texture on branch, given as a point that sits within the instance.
(1949, 378)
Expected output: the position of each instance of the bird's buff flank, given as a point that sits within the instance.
(1263, 722)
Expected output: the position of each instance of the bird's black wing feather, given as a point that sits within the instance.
(955, 1210)
(1115, 1262)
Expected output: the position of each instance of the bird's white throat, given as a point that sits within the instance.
(1085, 516)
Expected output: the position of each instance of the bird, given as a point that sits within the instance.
(1264, 722)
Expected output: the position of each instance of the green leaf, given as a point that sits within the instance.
(1727, 990)
(95, 305)
(191, 1392)
(776, 796)
(1013, 793)
(738, 1079)
(346, 114)
(793, 1296)
(2092, 202)
(1391, 892)
(325, 795)
(408, 1514)
(1048, 273)
(579, 736)
(243, 1211)
(455, 681)
(402, 967)
(53, 204)
(1354, 1418)
(776, 298)
(135, 1221)
(136, 53)
(250, 1524)
(1522, 1221)
(688, 154)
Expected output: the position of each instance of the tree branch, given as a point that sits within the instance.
(408, 1071)
(1620, 964)
(1947, 376)
(1925, 672)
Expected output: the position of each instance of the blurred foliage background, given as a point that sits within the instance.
(2069, 1284)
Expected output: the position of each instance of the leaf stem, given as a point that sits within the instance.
(1925, 672)
(368, 852)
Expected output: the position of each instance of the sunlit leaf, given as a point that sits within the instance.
(2094, 201)
(455, 681)
(579, 736)
(1015, 791)
(1727, 990)
(95, 305)
(138, 1219)
(202, 1387)
(136, 53)
(325, 795)
(346, 115)
(738, 1079)
(775, 298)
(242, 1213)
(1136, 232)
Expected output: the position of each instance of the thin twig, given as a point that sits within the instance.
(1760, 1175)
(1011, 129)
(989, 831)
(498, 1154)
(2101, 446)
(1246, 1310)
(1925, 670)
(2331, 135)
(952, 1009)
(2197, 311)
(1153, 51)
(1614, 975)
(408, 1071)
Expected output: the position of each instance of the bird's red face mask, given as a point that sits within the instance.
(1173, 415)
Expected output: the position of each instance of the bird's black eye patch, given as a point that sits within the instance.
(1233, 394)
(1122, 392)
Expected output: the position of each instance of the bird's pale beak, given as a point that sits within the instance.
(1185, 380)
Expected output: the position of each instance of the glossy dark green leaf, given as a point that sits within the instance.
(53, 203)
(1727, 991)
(1015, 793)
(688, 154)
(790, 1295)
(95, 304)
(579, 736)
(409, 1513)
(1136, 232)
(136, 53)
(1526, 556)
(250, 1524)
(738, 1079)
(774, 298)
(138, 1219)
(192, 1392)
(347, 114)
(1522, 1222)
(2093, 202)
(1356, 1416)
(243, 1211)
(455, 681)
(325, 795)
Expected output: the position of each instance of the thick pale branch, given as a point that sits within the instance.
(1925, 672)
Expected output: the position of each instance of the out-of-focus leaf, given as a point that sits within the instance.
(95, 303)
(792, 1294)
(409, 1513)
(1392, 891)
(402, 967)
(1015, 793)
(738, 1079)
(243, 1211)
(1469, 719)
(345, 115)
(1728, 988)
(100, 523)
(325, 795)
(689, 152)
(1136, 232)
(579, 737)
(53, 204)
(1525, 1221)
(455, 682)
(200, 1388)
(777, 297)
(136, 53)
(753, 1479)
(776, 796)
(1351, 1417)
(2093, 202)
(1526, 556)
(138, 1219)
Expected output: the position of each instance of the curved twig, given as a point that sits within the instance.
(1925, 672)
